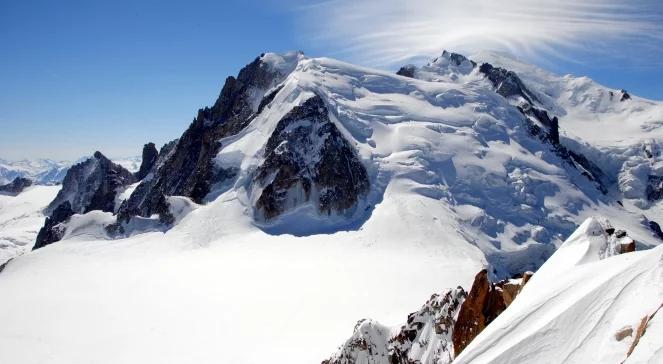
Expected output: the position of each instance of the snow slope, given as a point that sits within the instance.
(574, 306)
(457, 183)
(623, 137)
(20, 219)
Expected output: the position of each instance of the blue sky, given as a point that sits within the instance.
(80, 76)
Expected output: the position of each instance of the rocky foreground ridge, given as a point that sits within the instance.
(449, 321)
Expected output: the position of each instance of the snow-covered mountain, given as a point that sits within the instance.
(314, 193)
(49, 172)
(41, 171)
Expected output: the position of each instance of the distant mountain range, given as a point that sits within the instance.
(49, 172)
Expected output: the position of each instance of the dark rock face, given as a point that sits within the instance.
(92, 185)
(457, 59)
(188, 170)
(654, 188)
(16, 186)
(150, 154)
(655, 228)
(89, 185)
(407, 71)
(52, 231)
(507, 83)
(625, 96)
(307, 158)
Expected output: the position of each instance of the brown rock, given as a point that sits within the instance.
(627, 248)
(623, 333)
(483, 304)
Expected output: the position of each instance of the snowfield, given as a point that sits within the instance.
(21, 218)
(457, 184)
(215, 289)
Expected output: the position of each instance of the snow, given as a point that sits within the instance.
(50, 172)
(457, 184)
(21, 218)
(571, 309)
(203, 290)
(40, 171)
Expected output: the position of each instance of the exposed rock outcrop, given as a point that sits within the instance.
(483, 304)
(187, 170)
(458, 59)
(150, 154)
(53, 230)
(507, 83)
(654, 189)
(16, 186)
(438, 332)
(307, 159)
(407, 71)
(655, 228)
(425, 338)
(90, 185)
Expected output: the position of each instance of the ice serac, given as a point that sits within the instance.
(90, 185)
(425, 337)
(150, 154)
(188, 169)
(16, 186)
(307, 159)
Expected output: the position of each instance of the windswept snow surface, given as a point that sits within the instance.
(456, 183)
(21, 218)
(217, 290)
(573, 307)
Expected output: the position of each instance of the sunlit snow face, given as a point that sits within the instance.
(392, 31)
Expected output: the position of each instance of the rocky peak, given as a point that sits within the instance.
(150, 154)
(458, 59)
(424, 338)
(307, 159)
(482, 305)
(89, 185)
(187, 170)
(16, 186)
(507, 83)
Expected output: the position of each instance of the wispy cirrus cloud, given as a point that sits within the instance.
(389, 32)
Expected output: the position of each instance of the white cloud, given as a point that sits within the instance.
(388, 32)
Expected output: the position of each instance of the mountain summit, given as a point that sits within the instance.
(314, 192)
